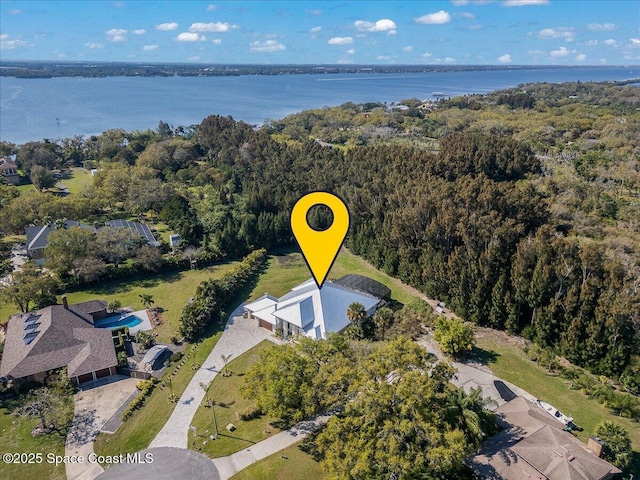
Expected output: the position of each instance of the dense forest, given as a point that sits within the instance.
(520, 209)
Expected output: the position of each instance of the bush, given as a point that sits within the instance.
(454, 336)
(176, 357)
(145, 340)
(123, 360)
(146, 388)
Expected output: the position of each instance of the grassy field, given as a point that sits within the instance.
(170, 291)
(15, 437)
(80, 179)
(511, 363)
(288, 464)
(226, 392)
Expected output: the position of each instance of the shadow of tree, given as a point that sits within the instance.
(83, 428)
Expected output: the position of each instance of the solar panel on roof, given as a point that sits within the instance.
(29, 337)
(32, 326)
(31, 318)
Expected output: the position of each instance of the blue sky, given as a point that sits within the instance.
(516, 32)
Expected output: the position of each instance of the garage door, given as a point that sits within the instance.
(265, 324)
(87, 377)
(102, 373)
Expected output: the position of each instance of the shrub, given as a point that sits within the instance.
(176, 357)
(146, 388)
(454, 336)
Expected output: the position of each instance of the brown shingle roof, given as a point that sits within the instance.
(534, 445)
(63, 338)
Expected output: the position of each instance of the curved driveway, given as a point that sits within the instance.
(240, 334)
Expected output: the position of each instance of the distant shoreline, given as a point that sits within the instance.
(52, 69)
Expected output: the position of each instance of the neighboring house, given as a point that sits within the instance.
(59, 336)
(9, 171)
(37, 236)
(534, 445)
(313, 312)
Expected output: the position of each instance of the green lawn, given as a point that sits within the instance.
(226, 392)
(288, 464)
(512, 364)
(288, 269)
(170, 291)
(25, 188)
(80, 179)
(15, 437)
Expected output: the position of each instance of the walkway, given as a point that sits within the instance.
(240, 334)
(229, 466)
(95, 404)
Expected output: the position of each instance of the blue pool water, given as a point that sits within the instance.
(116, 321)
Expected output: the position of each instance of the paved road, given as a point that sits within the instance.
(94, 405)
(240, 334)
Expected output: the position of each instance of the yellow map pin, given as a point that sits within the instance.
(320, 248)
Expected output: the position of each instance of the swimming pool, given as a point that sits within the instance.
(134, 320)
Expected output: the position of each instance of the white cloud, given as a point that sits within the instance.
(15, 11)
(592, 43)
(468, 15)
(581, 57)
(635, 41)
(561, 52)
(383, 25)
(216, 41)
(315, 29)
(116, 35)
(351, 51)
(315, 13)
(167, 27)
(93, 45)
(139, 31)
(449, 60)
(426, 55)
(211, 27)
(524, 3)
(459, 3)
(601, 27)
(212, 8)
(190, 37)
(392, 32)
(340, 41)
(266, 47)
(506, 58)
(436, 18)
(408, 48)
(568, 33)
(150, 48)
(384, 57)
(193, 58)
(611, 42)
(10, 44)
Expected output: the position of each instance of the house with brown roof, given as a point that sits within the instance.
(9, 171)
(59, 336)
(534, 445)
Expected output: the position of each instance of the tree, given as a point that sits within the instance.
(618, 445)
(383, 319)
(65, 246)
(89, 269)
(453, 335)
(28, 286)
(149, 258)
(47, 406)
(116, 244)
(41, 177)
(225, 359)
(146, 299)
(114, 306)
(356, 312)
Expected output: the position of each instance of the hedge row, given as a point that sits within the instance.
(146, 388)
(212, 296)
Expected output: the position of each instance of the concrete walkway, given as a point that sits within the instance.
(94, 406)
(232, 464)
(471, 377)
(240, 334)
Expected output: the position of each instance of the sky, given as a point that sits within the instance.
(457, 32)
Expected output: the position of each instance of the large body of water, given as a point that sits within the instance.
(33, 109)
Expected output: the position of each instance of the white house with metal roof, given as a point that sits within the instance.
(307, 310)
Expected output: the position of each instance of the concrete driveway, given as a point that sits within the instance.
(93, 406)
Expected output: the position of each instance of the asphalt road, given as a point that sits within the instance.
(164, 463)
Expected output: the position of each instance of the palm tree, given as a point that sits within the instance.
(356, 312)
(146, 300)
(618, 444)
(467, 412)
(225, 359)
